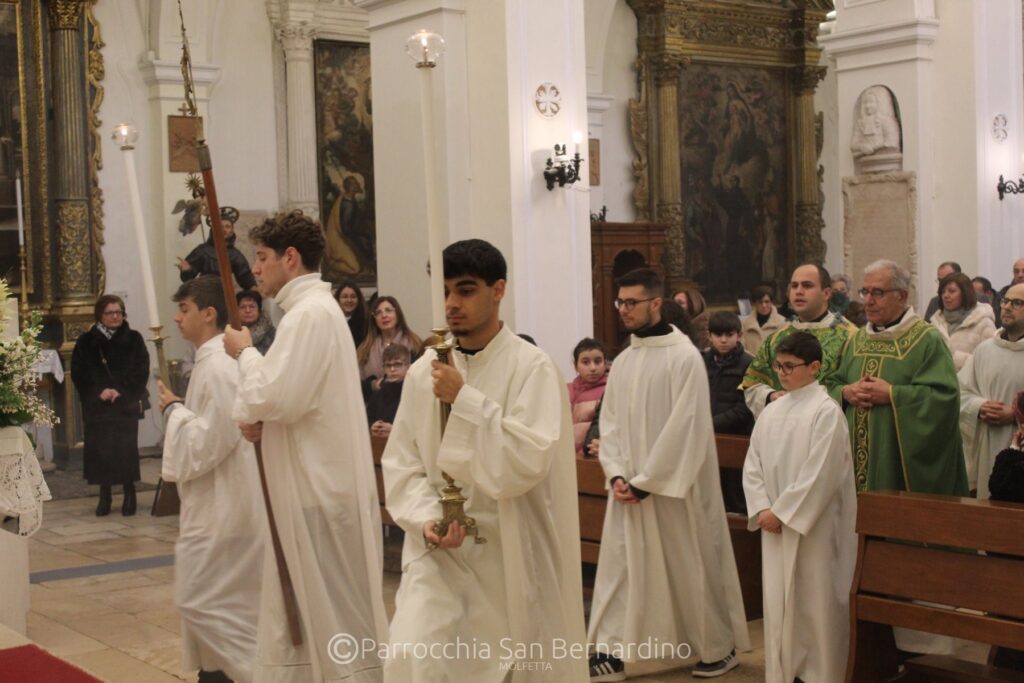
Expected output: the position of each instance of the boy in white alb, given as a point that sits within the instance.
(219, 551)
(798, 481)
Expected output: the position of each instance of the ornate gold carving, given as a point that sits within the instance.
(74, 256)
(95, 72)
(74, 330)
(665, 68)
(675, 243)
(638, 128)
(806, 78)
(65, 15)
(731, 28)
(810, 247)
(41, 225)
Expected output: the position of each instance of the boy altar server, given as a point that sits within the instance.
(666, 571)
(219, 551)
(303, 397)
(510, 608)
(799, 486)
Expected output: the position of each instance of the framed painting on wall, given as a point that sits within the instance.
(344, 127)
(734, 172)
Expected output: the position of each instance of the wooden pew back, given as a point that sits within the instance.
(919, 548)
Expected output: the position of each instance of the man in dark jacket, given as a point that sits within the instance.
(203, 259)
(726, 362)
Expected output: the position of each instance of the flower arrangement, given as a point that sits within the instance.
(19, 403)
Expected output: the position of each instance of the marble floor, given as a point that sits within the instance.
(116, 618)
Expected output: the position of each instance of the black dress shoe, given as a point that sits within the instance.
(213, 677)
(106, 498)
(128, 507)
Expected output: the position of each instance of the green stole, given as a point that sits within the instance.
(912, 444)
(832, 338)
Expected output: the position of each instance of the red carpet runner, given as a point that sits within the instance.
(30, 664)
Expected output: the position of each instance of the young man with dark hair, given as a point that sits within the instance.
(508, 444)
(800, 492)
(219, 551)
(809, 294)
(726, 362)
(303, 398)
(666, 571)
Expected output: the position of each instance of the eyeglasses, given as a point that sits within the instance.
(786, 368)
(875, 293)
(1017, 304)
(114, 313)
(383, 311)
(630, 304)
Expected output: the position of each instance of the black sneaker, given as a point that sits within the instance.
(605, 668)
(716, 669)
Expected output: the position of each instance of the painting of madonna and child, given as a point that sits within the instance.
(344, 125)
(733, 138)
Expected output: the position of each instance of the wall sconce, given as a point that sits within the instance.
(1003, 187)
(562, 169)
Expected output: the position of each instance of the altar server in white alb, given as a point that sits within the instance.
(219, 552)
(303, 397)
(666, 572)
(515, 602)
(988, 384)
(800, 492)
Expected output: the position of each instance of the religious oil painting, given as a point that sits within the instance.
(732, 123)
(345, 151)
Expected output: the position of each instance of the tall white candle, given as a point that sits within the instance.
(21, 212)
(141, 241)
(433, 219)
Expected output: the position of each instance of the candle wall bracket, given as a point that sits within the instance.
(562, 170)
(1004, 187)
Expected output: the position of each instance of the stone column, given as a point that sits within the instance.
(809, 247)
(666, 69)
(75, 280)
(297, 40)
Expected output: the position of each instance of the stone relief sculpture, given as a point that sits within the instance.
(877, 140)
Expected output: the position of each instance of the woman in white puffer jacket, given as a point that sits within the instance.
(963, 322)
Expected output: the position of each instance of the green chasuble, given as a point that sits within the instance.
(912, 444)
(760, 380)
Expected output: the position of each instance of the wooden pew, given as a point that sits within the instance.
(917, 547)
(746, 545)
(593, 500)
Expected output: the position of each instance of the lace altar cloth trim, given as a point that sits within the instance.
(22, 487)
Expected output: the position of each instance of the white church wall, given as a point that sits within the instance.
(619, 80)
(230, 41)
(491, 149)
(998, 93)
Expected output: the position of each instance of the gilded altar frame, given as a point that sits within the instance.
(60, 74)
(773, 47)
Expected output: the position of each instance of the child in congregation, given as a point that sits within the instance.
(383, 404)
(585, 391)
(727, 361)
(800, 492)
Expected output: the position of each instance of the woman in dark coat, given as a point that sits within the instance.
(353, 305)
(110, 368)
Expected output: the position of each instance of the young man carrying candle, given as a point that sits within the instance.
(513, 601)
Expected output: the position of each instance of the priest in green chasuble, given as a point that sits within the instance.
(899, 387)
(810, 289)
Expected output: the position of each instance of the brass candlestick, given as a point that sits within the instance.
(452, 501)
(161, 360)
(23, 306)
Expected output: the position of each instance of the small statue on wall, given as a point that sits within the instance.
(877, 141)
